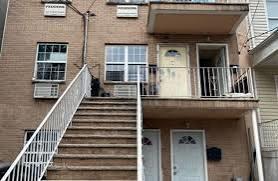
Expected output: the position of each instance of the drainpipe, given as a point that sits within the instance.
(85, 42)
(257, 145)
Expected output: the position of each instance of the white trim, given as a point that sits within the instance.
(159, 151)
(125, 63)
(186, 46)
(216, 45)
(4, 30)
(266, 14)
(36, 62)
(198, 60)
(204, 147)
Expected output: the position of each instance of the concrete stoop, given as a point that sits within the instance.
(100, 144)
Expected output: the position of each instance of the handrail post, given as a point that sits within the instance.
(139, 130)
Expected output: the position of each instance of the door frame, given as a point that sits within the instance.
(198, 60)
(187, 48)
(159, 152)
(172, 149)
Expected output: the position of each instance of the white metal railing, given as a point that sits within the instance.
(34, 158)
(202, 82)
(139, 125)
(269, 134)
(201, 1)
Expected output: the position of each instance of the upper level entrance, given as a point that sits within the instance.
(174, 80)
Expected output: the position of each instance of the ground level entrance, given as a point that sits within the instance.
(187, 155)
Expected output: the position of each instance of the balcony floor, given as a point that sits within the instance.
(208, 108)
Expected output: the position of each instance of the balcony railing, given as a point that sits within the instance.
(203, 82)
(201, 1)
(175, 1)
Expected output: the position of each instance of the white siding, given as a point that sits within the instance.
(260, 23)
(267, 93)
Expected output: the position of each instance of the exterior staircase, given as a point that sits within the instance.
(100, 144)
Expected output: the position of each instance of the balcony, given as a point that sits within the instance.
(195, 17)
(196, 93)
(203, 82)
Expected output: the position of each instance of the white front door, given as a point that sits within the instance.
(188, 158)
(151, 155)
(174, 72)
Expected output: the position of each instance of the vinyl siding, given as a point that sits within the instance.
(259, 23)
(266, 92)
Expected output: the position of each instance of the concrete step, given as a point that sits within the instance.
(109, 110)
(107, 103)
(91, 180)
(98, 139)
(104, 123)
(101, 115)
(94, 160)
(101, 130)
(110, 99)
(104, 149)
(92, 172)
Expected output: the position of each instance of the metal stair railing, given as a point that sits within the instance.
(140, 168)
(36, 155)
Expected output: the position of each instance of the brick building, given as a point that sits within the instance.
(198, 102)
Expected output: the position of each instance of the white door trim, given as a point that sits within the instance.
(159, 152)
(198, 59)
(213, 44)
(204, 145)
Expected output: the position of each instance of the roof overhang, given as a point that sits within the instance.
(195, 18)
(266, 53)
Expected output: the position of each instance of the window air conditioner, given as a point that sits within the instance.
(46, 90)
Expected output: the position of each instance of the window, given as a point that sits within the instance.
(187, 140)
(146, 141)
(51, 61)
(172, 53)
(122, 62)
(272, 7)
(28, 135)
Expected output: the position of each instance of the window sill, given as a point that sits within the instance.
(49, 81)
(57, 1)
(122, 83)
(116, 2)
(119, 82)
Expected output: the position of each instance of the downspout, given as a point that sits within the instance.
(85, 42)
(257, 145)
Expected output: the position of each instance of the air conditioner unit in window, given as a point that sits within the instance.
(125, 90)
(46, 90)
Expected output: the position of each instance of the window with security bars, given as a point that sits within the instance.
(51, 61)
(122, 62)
(43, 142)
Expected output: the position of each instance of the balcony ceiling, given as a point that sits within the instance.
(195, 18)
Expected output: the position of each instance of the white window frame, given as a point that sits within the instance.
(125, 63)
(267, 13)
(36, 62)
